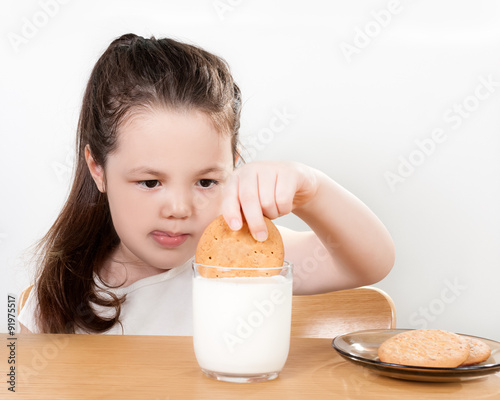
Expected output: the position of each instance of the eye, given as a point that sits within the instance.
(207, 183)
(150, 184)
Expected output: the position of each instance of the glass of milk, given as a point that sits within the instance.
(242, 324)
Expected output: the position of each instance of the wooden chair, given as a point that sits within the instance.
(331, 314)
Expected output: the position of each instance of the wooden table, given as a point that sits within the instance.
(164, 367)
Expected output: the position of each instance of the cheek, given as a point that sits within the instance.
(125, 210)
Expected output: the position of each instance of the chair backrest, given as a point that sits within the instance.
(331, 314)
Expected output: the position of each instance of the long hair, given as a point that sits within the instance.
(132, 73)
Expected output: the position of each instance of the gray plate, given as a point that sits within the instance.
(361, 348)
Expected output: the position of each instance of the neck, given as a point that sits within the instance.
(119, 270)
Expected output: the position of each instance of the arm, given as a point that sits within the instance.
(348, 247)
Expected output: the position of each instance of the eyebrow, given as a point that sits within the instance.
(145, 170)
(211, 169)
(153, 172)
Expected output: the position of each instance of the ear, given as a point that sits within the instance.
(96, 170)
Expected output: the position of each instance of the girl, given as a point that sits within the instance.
(157, 147)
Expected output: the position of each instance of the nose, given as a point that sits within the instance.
(177, 203)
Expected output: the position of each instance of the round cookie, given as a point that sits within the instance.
(220, 246)
(479, 351)
(425, 348)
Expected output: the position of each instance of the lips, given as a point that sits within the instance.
(169, 240)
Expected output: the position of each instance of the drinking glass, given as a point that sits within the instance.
(241, 326)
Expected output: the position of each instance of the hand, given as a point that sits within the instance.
(272, 189)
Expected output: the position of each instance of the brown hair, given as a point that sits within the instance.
(132, 73)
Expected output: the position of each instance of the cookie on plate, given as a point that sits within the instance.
(220, 246)
(479, 351)
(425, 348)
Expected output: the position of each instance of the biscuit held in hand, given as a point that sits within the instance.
(425, 348)
(220, 246)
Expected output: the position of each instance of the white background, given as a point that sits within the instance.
(357, 115)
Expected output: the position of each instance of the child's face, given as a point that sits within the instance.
(164, 184)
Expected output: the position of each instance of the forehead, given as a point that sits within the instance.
(169, 138)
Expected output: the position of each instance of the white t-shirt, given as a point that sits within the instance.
(157, 305)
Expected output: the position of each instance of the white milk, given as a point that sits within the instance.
(242, 325)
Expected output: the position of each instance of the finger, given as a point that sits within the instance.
(284, 193)
(248, 194)
(267, 194)
(231, 205)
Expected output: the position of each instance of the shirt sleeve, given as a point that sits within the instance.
(27, 315)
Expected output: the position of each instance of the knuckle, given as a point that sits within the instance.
(247, 196)
(271, 214)
(267, 204)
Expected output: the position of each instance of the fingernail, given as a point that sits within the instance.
(235, 224)
(261, 236)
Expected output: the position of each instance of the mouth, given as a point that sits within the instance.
(169, 240)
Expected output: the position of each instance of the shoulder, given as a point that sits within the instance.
(28, 302)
